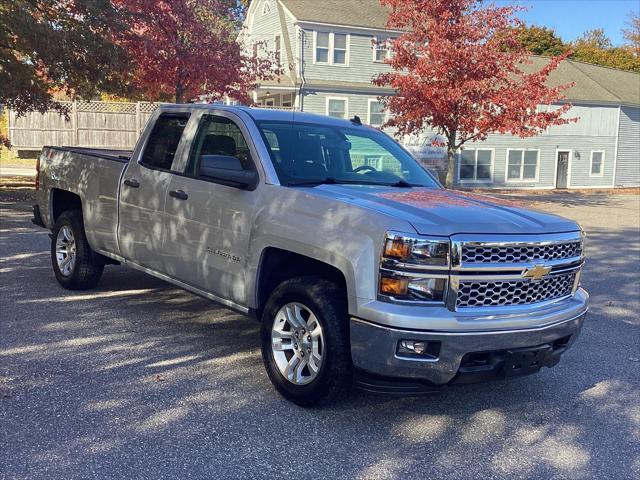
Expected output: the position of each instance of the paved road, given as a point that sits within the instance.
(140, 380)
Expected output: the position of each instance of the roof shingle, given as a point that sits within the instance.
(357, 13)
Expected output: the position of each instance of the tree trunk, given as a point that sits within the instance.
(179, 93)
(451, 160)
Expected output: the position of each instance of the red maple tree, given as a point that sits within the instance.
(458, 68)
(184, 49)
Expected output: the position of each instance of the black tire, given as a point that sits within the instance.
(89, 265)
(328, 303)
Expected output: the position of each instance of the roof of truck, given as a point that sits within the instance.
(261, 114)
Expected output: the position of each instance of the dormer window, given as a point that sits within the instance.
(266, 8)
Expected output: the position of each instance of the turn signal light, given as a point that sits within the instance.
(394, 286)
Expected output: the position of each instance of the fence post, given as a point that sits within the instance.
(138, 119)
(74, 122)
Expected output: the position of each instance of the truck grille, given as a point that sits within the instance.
(473, 253)
(513, 292)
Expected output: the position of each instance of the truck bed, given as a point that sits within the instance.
(108, 154)
(94, 176)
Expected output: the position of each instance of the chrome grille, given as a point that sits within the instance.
(478, 253)
(495, 293)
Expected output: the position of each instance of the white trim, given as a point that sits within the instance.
(555, 166)
(331, 49)
(386, 112)
(475, 181)
(522, 180)
(615, 151)
(346, 106)
(601, 174)
(309, 25)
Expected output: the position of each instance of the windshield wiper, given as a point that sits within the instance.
(335, 181)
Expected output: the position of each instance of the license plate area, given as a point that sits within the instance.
(523, 361)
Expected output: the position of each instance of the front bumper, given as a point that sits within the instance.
(462, 356)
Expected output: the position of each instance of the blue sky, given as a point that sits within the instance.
(570, 18)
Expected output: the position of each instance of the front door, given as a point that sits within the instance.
(143, 190)
(208, 224)
(563, 170)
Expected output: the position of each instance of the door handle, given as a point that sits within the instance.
(179, 194)
(132, 182)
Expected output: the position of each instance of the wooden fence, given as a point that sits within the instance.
(115, 125)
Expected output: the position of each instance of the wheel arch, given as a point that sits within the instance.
(277, 265)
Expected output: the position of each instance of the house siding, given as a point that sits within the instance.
(358, 103)
(595, 130)
(628, 161)
(361, 67)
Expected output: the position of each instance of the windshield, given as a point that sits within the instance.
(308, 154)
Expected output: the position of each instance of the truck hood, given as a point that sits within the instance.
(447, 212)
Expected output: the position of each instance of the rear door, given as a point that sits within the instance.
(208, 224)
(143, 192)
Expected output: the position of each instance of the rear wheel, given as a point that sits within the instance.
(305, 341)
(75, 265)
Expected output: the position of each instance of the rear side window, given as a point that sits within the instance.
(163, 141)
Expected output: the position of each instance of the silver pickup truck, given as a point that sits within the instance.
(359, 266)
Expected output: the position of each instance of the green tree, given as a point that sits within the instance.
(541, 40)
(64, 46)
(595, 47)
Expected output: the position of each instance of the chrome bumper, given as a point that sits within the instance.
(374, 346)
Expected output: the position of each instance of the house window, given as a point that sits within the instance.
(266, 8)
(287, 100)
(377, 114)
(337, 107)
(340, 49)
(476, 165)
(380, 49)
(278, 49)
(322, 47)
(522, 165)
(331, 48)
(597, 163)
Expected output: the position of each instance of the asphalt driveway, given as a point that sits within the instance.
(138, 379)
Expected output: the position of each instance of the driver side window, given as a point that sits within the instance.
(220, 142)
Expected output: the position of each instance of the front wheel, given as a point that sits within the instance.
(75, 265)
(305, 341)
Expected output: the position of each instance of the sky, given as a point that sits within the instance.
(571, 18)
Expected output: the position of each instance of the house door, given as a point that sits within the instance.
(563, 170)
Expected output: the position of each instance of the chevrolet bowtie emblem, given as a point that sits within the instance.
(536, 273)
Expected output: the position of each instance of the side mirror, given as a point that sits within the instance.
(228, 171)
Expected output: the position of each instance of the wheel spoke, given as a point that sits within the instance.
(299, 368)
(291, 368)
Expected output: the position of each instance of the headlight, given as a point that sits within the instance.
(417, 252)
(403, 259)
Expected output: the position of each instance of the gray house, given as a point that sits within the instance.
(331, 49)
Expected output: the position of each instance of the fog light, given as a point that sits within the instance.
(409, 346)
(412, 348)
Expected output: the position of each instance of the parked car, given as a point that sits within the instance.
(359, 266)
